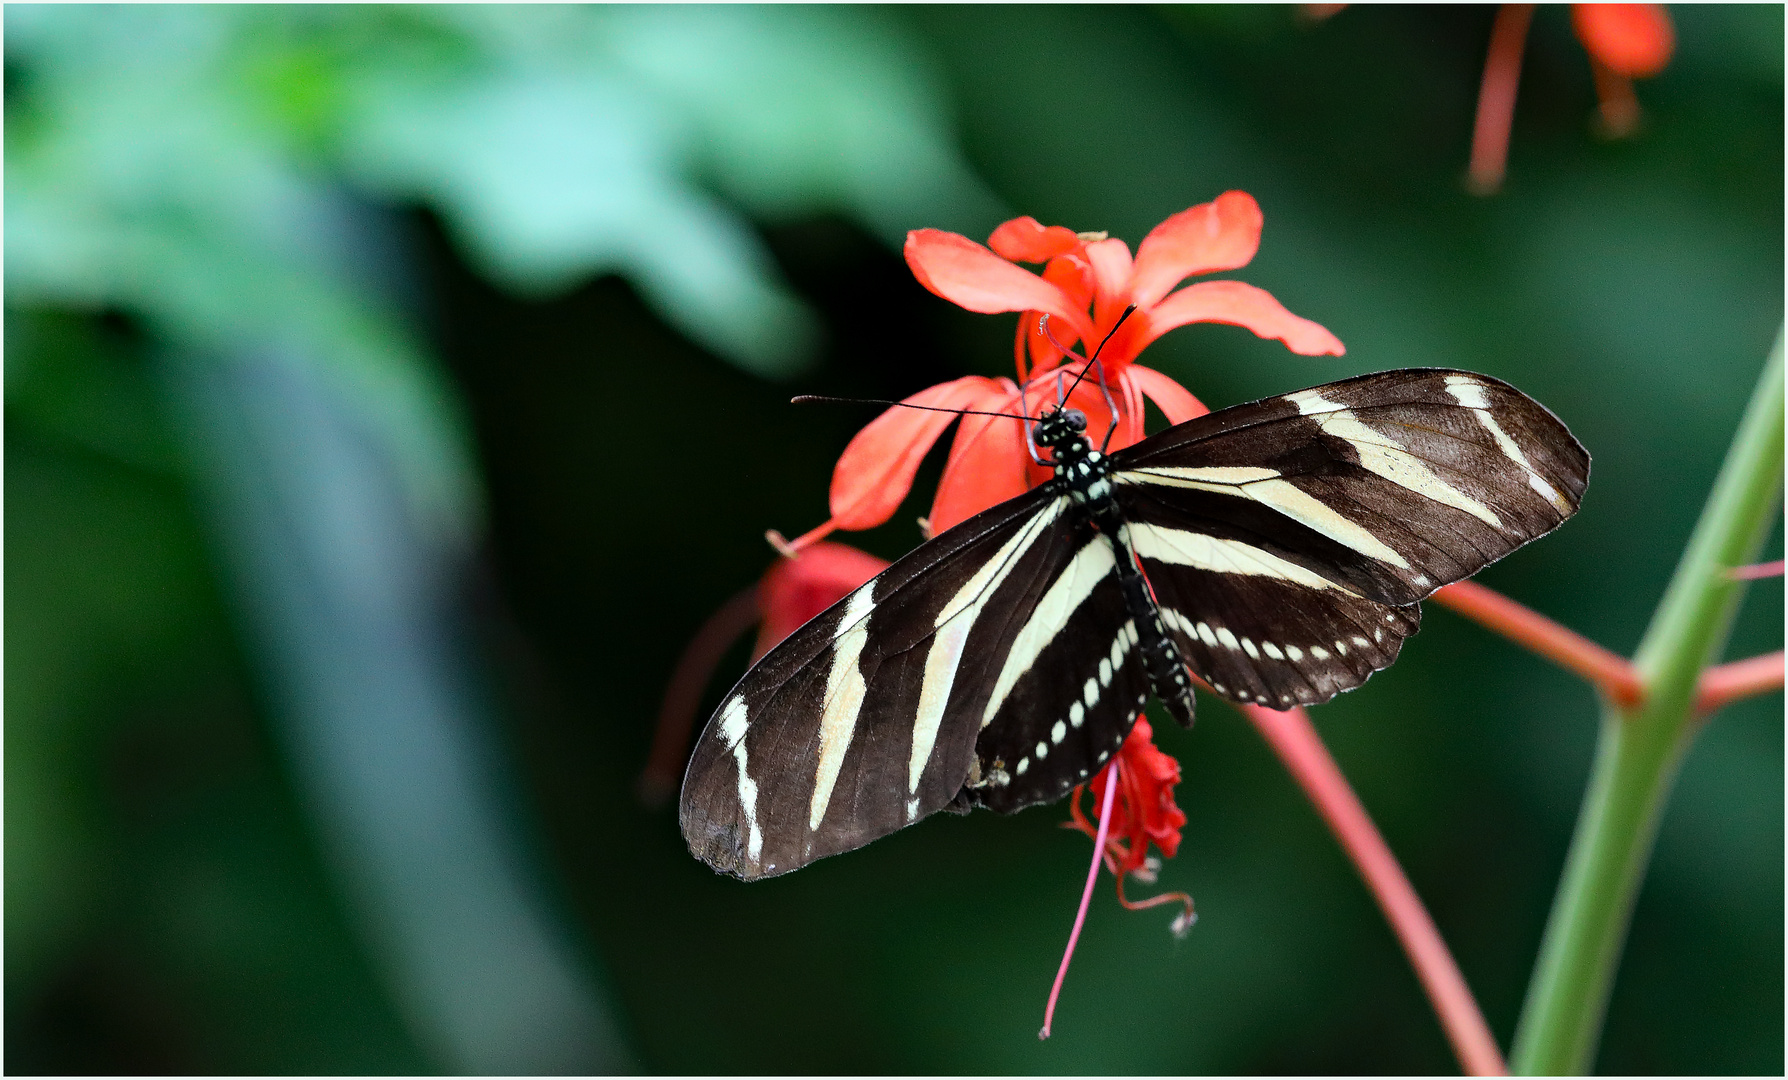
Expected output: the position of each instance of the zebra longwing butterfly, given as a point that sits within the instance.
(1278, 549)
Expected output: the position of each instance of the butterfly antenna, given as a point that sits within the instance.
(1087, 365)
(809, 399)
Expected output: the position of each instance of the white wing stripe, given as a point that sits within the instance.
(1203, 552)
(1470, 394)
(844, 700)
(1090, 565)
(1382, 455)
(732, 729)
(954, 622)
(1265, 487)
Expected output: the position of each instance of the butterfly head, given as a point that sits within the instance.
(1063, 431)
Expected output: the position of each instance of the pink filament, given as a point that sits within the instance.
(1086, 897)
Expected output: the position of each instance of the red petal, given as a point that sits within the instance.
(1175, 401)
(1635, 40)
(1241, 305)
(970, 276)
(1075, 276)
(876, 470)
(1144, 811)
(1111, 273)
(1025, 239)
(795, 590)
(1220, 235)
(986, 466)
(1131, 431)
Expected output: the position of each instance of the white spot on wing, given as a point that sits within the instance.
(1309, 402)
(1058, 732)
(1271, 650)
(1294, 652)
(1248, 647)
(1227, 637)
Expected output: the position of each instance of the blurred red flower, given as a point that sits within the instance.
(1624, 42)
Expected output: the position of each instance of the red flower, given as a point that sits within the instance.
(1087, 283)
(1634, 40)
(796, 589)
(792, 591)
(1143, 813)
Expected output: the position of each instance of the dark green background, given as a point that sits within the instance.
(174, 912)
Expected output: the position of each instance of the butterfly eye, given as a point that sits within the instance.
(1075, 419)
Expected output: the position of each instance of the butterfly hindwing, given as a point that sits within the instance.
(1069, 688)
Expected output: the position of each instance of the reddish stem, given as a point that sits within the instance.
(1300, 748)
(1756, 571)
(1496, 98)
(670, 744)
(1721, 686)
(1086, 897)
(1612, 673)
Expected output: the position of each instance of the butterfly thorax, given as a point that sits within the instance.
(1080, 471)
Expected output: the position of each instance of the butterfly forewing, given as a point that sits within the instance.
(866, 718)
(1290, 537)
(1414, 478)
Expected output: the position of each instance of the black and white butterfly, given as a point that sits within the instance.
(1277, 549)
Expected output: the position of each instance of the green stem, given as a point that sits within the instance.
(1641, 746)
